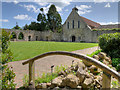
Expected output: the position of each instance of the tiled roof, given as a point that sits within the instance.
(109, 26)
(91, 23)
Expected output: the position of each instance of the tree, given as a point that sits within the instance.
(26, 27)
(41, 18)
(54, 18)
(7, 73)
(16, 27)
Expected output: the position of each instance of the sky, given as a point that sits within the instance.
(26, 12)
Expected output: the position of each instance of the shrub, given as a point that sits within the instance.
(94, 53)
(46, 77)
(7, 73)
(110, 44)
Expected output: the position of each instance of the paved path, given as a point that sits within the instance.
(44, 64)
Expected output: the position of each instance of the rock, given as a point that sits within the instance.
(102, 55)
(81, 74)
(57, 82)
(62, 73)
(71, 81)
(48, 84)
(96, 57)
(87, 83)
(109, 60)
(56, 88)
(79, 87)
(41, 86)
(98, 81)
(105, 62)
(89, 75)
(87, 63)
(93, 69)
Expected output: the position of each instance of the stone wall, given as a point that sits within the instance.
(71, 35)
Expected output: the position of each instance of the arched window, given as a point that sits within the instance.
(20, 36)
(68, 25)
(78, 24)
(73, 24)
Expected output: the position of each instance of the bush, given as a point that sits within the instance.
(94, 53)
(7, 73)
(110, 44)
(45, 78)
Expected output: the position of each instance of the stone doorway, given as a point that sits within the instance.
(36, 38)
(73, 38)
(29, 38)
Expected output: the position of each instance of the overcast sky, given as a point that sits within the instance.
(26, 12)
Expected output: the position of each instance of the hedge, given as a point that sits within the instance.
(110, 43)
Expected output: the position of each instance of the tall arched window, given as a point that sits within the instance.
(78, 24)
(73, 24)
(68, 25)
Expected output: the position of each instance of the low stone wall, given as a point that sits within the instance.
(71, 35)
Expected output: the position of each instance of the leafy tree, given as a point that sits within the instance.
(16, 27)
(34, 26)
(41, 18)
(54, 18)
(26, 27)
(7, 73)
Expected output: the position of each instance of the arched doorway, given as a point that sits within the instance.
(21, 36)
(36, 38)
(13, 35)
(73, 38)
(46, 38)
(29, 38)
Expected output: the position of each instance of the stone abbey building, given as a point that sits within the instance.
(75, 29)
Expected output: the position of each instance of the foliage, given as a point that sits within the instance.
(25, 81)
(41, 18)
(16, 27)
(54, 18)
(26, 27)
(7, 73)
(106, 29)
(26, 50)
(118, 67)
(21, 36)
(94, 53)
(115, 84)
(13, 35)
(46, 77)
(60, 68)
(110, 43)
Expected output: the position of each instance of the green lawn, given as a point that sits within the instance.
(26, 50)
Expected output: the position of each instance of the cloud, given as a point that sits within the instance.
(42, 3)
(4, 20)
(31, 8)
(66, 10)
(106, 23)
(83, 9)
(15, 2)
(23, 17)
(107, 5)
(100, 1)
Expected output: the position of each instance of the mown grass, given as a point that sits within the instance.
(25, 50)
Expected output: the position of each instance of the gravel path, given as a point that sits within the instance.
(44, 64)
